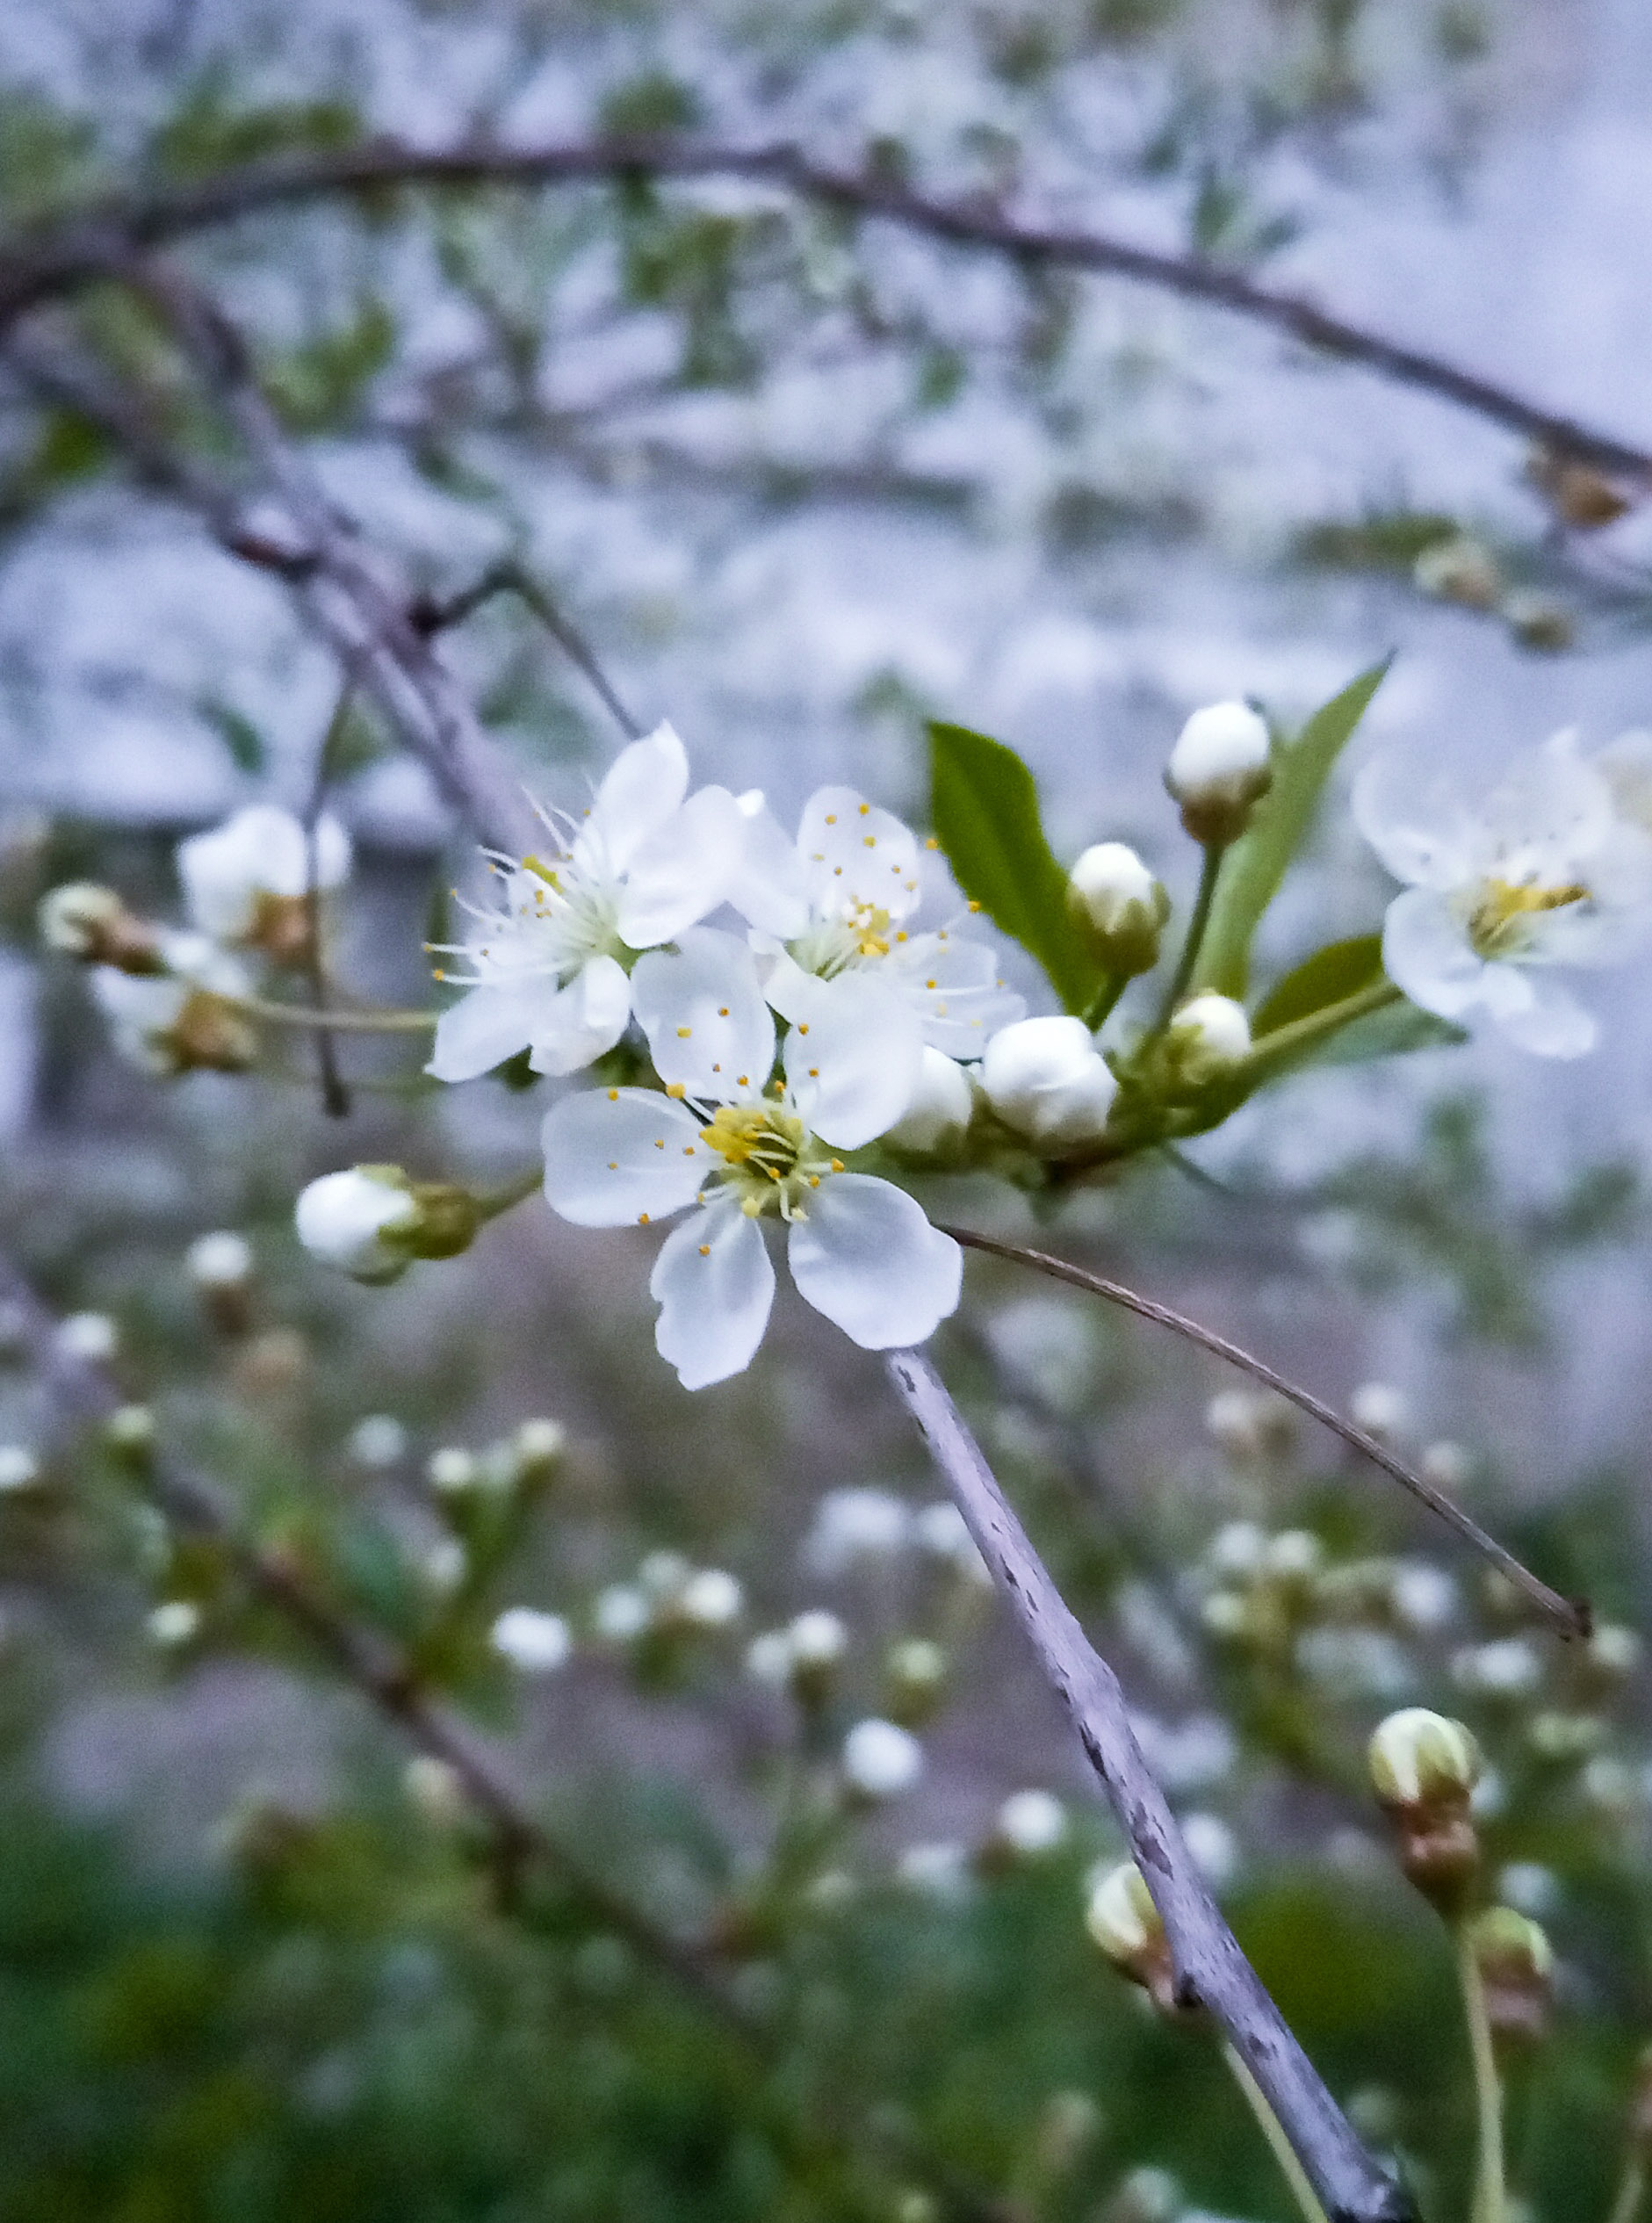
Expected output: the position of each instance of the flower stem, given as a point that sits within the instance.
(1209, 872)
(355, 1022)
(490, 1202)
(1102, 1002)
(1298, 1034)
(1488, 2201)
(1631, 2190)
(1294, 2175)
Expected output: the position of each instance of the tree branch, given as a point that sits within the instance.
(1211, 1970)
(99, 244)
(1572, 1617)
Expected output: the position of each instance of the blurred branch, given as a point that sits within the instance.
(1211, 1971)
(103, 243)
(334, 1095)
(510, 578)
(1571, 1617)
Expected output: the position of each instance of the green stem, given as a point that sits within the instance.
(1489, 2200)
(1294, 2175)
(1102, 1002)
(1283, 1042)
(353, 1022)
(1215, 851)
(490, 1202)
(1631, 2190)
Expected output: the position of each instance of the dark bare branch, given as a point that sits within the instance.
(100, 243)
(1212, 1972)
(1571, 1617)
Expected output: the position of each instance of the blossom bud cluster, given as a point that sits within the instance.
(372, 1222)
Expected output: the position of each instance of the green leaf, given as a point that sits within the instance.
(239, 736)
(1341, 969)
(983, 804)
(1258, 861)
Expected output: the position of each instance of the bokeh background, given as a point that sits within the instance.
(803, 484)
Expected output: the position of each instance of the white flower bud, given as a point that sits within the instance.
(452, 1471)
(710, 1599)
(817, 1639)
(345, 1219)
(241, 879)
(89, 1338)
(1424, 1597)
(379, 1440)
(174, 1624)
(1508, 1668)
(1218, 768)
(1120, 907)
(1293, 1555)
(1418, 1758)
(769, 1659)
(435, 1790)
(537, 1643)
(1122, 1919)
(82, 919)
(19, 1468)
(1031, 1822)
(1207, 1038)
(130, 1431)
(1613, 1651)
(537, 1447)
(1381, 1409)
(941, 1108)
(621, 1614)
(1446, 1465)
(1046, 1078)
(880, 1760)
(1237, 1548)
(222, 1261)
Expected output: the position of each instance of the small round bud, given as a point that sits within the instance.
(444, 1566)
(1510, 1668)
(1119, 907)
(1218, 770)
(536, 1449)
(941, 1107)
(816, 1642)
(88, 1339)
(1613, 1653)
(435, 1790)
(361, 1221)
(915, 1677)
(1046, 1078)
(1419, 1758)
(769, 1659)
(175, 1623)
(92, 923)
(1446, 1465)
(663, 1573)
(941, 1531)
(1031, 1823)
(221, 1261)
(710, 1599)
(535, 1642)
(855, 1524)
(1123, 1921)
(129, 1432)
(19, 1470)
(1250, 1425)
(452, 1471)
(1381, 1409)
(1294, 1556)
(881, 1760)
(1423, 1597)
(621, 1614)
(1207, 1039)
(937, 1871)
(378, 1441)
(1517, 1967)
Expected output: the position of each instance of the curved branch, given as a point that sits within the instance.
(1571, 1617)
(102, 241)
(1211, 1970)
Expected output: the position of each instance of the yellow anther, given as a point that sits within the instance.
(974, 906)
(613, 1095)
(675, 1088)
(683, 1032)
(660, 1142)
(722, 1011)
(705, 1249)
(869, 840)
(837, 1166)
(832, 818)
(642, 1219)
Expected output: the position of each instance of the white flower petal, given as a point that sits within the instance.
(1415, 822)
(853, 1061)
(616, 1155)
(702, 1011)
(583, 1020)
(483, 1028)
(869, 1260)
(1550, 1023)
(715, 1286)
(1426, 952)
(682, 870)
(769, 887)
(953, 984)
(643, 787)
(854, 854)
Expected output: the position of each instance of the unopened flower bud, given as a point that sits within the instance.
(247, 881)
(19, 1470)
(1218, 770)
(816, 1642)
(372, 1221)
(88, 1339)
(1208, 1037)
(1381, 1409)
(1119, 907)
(1613, 1653)
(129, 1432)
(881, 1760)
(941, 1107)
(621, 1614)
(536, 1449)
(174, 1022)
(174, 1624)
(1423, 1769)
(1123, 1921)
(86, 921)
(710, 1599)
(916, 1676)
(1046, 1078)
(220, 1265)
(535, 1642)
(1517, 1967)
(452, 1471)
(1251, 1424)
(1030, 1824)
(435, 1790)
(1460, 569)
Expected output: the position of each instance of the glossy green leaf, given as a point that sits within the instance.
(1341, 969)
(983, 804)
(1258, 861)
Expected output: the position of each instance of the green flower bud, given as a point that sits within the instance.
(1419, 1758)
(1517, 1967)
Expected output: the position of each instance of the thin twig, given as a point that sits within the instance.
(1210, 873)
(92, 246)
(1279, 2145)
(1571, 1616)
(334, 1095)
(1211, 1970)
(329, 1020)
(510, 578)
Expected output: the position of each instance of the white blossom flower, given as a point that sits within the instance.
(348, 1220)
(89, 1338)
(1544, 870)
(621, 1614)
(842, 899)
(168, 1021)
(1031, 1822)
(548, 965)
(725, 1140)
(941, 1108)
(537, 1643)
(710, 1599)
(221, 1261)
(1046, 1078)
(175, 1622)
(242, 879)
(881, 1760)
(379, 1440)
(452, 1471)
(817, 1639)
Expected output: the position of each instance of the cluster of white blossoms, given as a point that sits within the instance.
(1553, 868)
